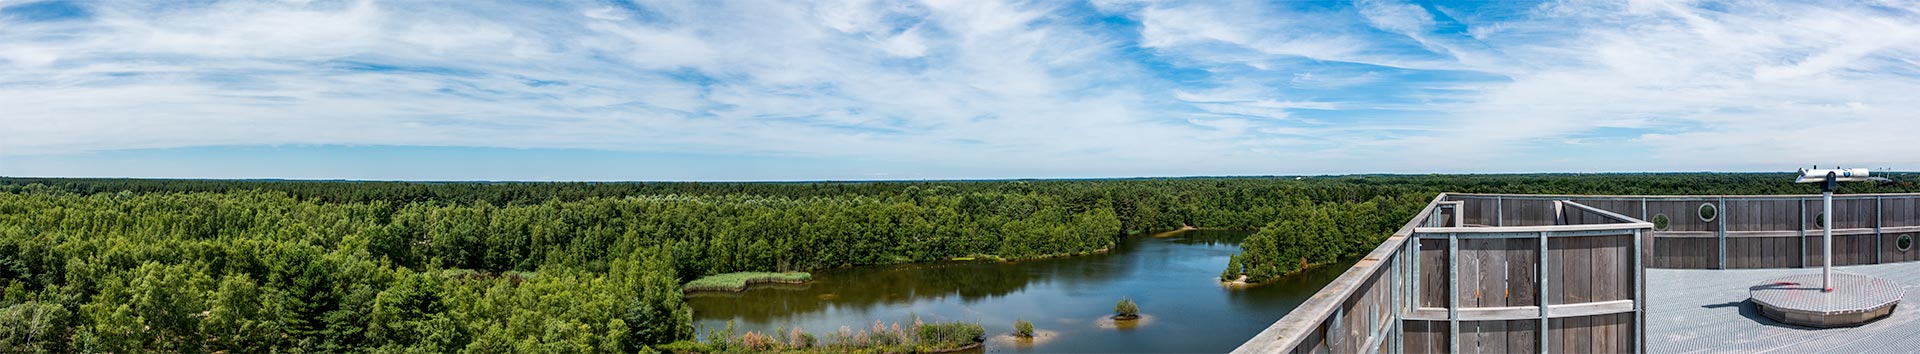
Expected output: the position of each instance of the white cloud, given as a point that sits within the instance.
(1034, 88)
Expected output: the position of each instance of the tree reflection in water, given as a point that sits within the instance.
(1174, 278)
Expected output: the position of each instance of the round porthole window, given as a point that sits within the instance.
(1708, 212)
(1661, 222)
(1819, 220)
(1905, 243)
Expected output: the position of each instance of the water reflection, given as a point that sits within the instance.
(1172, 278)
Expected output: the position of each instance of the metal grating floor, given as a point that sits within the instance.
(1705, 311)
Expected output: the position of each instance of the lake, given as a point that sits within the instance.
(1173, 278)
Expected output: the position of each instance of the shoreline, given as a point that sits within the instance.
(1242, 283)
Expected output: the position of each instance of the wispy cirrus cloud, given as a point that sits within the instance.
(984, 88)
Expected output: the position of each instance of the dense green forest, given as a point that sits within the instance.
(129, 265)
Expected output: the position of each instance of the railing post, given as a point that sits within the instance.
(1453, 292)
(1395, 332)
(1878, 240)
(1541, 292)
(1720, 210)
(1639, 295)
(1413, 272)
(1499, 211)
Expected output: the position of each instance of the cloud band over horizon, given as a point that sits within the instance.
(749, 90)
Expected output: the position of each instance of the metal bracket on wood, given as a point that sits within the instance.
(1334, 328)
(1559, 213)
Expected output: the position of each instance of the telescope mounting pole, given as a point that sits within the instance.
(1826, 232)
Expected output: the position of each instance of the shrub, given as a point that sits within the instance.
(950, 335)
(1126, 309)
(1023, 328)
(799, 339)
(684, 346)
(759, 342)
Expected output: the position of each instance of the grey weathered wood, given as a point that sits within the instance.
(1522, 268)
(1433, 279)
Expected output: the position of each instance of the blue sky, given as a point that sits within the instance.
(808, 90)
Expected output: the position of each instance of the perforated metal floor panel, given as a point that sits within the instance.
(1706, 311)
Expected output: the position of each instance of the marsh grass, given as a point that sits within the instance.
(739, 281)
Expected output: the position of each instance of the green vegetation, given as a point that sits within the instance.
(1234, 270)
(1126, 309)
(1023, 328)
(738, 281)
(131, 265)
(1319, 234)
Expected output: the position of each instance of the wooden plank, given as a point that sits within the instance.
(1755, 251)
(1469, 279)
(1414, 337)
(1604, 274)
(1556, 270)
(1580, 331)
(1433, 273)
(1523, 336)
(1522, 265)
(1490, 270)
(1579, 279)
(1623, 267)
(1493, 338)
(1602, 338)
(1590, 308)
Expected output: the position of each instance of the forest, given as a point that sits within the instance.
(131, 265)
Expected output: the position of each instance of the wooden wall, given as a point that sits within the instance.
(1503, 272)
(1589, 269)
(1592, 334)
(1747, 232)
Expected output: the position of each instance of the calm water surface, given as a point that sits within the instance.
(1173, 278)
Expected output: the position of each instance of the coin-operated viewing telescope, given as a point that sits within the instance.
(1830, 180)
(1818, 175)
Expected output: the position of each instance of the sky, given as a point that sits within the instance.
(949, 89)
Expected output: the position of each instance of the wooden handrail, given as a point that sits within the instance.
(1305, 319)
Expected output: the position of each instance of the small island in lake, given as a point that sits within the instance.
(1126, 310)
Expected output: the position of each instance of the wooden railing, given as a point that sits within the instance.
(1323, 323)
(1408, 294)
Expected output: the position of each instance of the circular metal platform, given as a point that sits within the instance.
(1855, 300)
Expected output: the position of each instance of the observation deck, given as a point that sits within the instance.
(1471, 272)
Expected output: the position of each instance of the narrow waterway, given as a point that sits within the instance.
(1174, 279)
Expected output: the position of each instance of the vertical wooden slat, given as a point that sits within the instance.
(1522, 261)
(1523, 336)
